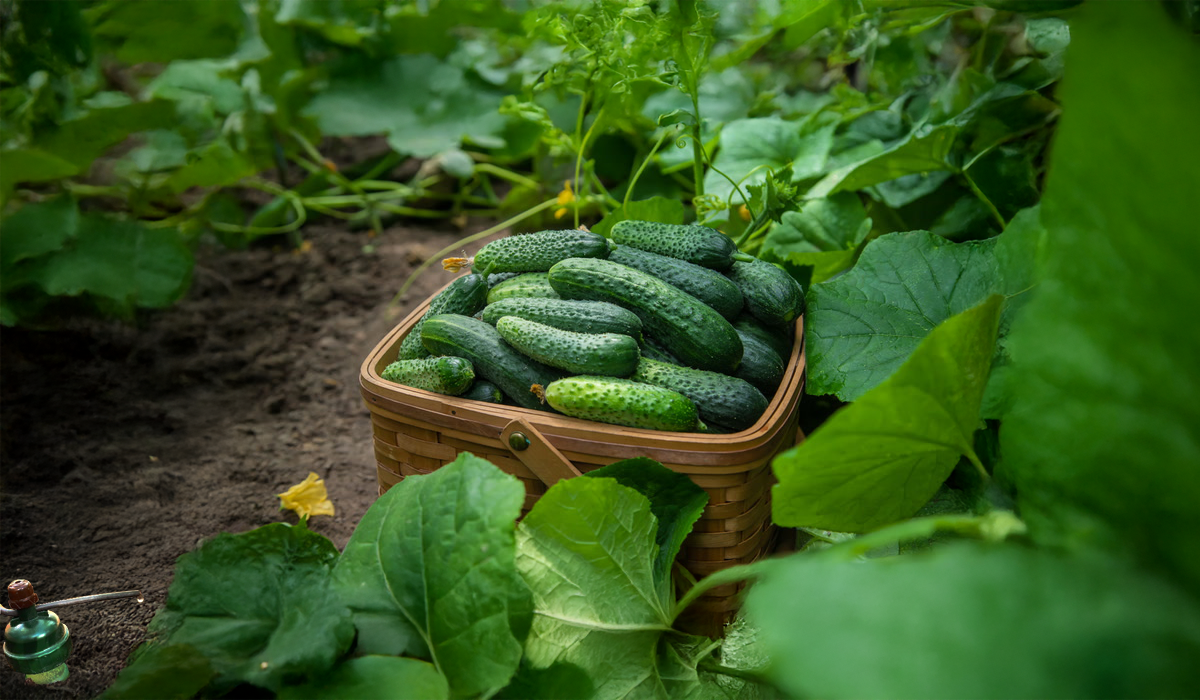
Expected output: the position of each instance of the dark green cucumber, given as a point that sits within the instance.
(780, 338)
(568, 314)
(537, 252)
(609, 354)
(496, 279)
(529, 284)
(443, 375)
(483, 390)
(465, 295)
(772, 295)
(654, 350)
(493, 359)
(720, 399)
(700, 245)
(691, 331)
(761, 366)
(709, 286)
(622, 402)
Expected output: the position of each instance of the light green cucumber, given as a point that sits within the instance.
(443, 375)
(622, 402)
(529, 284)
(568, 314)
(720, 399)
(709, 286)
(700, 245)
(465, 295)
(537, 252)
(609, 354)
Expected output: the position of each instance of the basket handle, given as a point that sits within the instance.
(535, 452)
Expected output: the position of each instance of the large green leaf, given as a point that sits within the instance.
(1103, 441)
(424, 105)
(31, 165)
(83, 139)
(824, 234)
(751, 147)
(429, 572)
(922, 151)
(660, 209)
(973, 621)
(375, 677)
(141, 32)
(861, 326)
(881, 459)
(587, 551)
(258, 605)
(175, 672)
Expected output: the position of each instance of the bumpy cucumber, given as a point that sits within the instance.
(497, 278)
(483, 390)
(761, 366)
(537, 252)
(772, 295)
(530, 284)
(465, 295)
(493, 359)
(654, 350)
(622, 402)
(608, 354)
(691, 331)
(720, 399)
(701, 245)
(709, 286)
(568, 314)
(444, 375)
(780, 338)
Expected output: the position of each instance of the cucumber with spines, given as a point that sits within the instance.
(568, 314)
(761, 365)
(443, 375)
(492, 358)
(466, 295)
(772, 296)
(609, 354)
(537, 252)
(700, 245)
(709, 286)
(622, 402)
(528, 284)
(499, 277)
(720, 399)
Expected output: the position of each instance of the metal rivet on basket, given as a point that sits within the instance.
(518, 441)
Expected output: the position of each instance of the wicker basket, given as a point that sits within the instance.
(416, 432)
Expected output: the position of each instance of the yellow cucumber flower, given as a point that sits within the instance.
(307, 498)
(564, 198)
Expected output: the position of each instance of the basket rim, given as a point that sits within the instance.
(430, 404)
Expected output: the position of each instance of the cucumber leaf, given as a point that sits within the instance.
(660, 209)
(751, 147)
(921, 152)
(429, 572)
(825, 234)
(1103, 441)
(174, 672)
(974, 621)
(882, 458)
(377, 677)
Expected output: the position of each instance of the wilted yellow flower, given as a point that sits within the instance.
(564, 198)
(307, 498)
(744, 213)
(455, 264)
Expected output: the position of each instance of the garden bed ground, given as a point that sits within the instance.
(121, 447)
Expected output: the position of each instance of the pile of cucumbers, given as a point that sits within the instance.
(661, 326)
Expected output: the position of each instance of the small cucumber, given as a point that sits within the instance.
(530, 284)
(780, 338)
(709, 286)
(696, 334)
(465, 295)
(608, 354)
(537, 252)
(700, 245)
(444, 375)
(483, 390)
(493, 359)
(761, 366)
(772, 295)
(622, 402)
(567, 314)
(720, 399)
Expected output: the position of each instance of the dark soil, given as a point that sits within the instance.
(123, 447)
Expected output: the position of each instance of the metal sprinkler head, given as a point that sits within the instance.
(36, 642)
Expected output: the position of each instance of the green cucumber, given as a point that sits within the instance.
(780, 338)
(608, 354)
(493, 359)
(761, 366)
(654, 350)
(483, 390)
(443, 375)
(497, 278)
(537, 252)
(569, 315)
(622, 402)
(529, 284)
(691, 331)
(465, 295)
(709, 286)
(700, 245)
(772, 295)
(720, 399)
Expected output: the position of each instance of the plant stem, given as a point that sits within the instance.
(987, 202)
(645, 161)
(709, 664)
